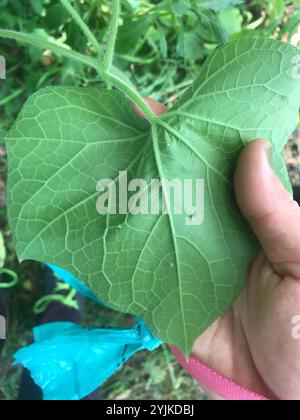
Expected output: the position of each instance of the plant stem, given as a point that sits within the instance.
(108, 73)
(167, 355)
(40, 42)
(113, 75)
(112, 35)
(121, 82)
(83, 26)
(11, 97)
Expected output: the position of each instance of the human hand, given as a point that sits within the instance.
(252, 344)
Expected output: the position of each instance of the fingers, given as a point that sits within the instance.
(156, 107)
(269, 208)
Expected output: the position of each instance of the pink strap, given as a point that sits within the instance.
(214, 381)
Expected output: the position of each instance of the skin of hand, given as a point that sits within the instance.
(253, 343)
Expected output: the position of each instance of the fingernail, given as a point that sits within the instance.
(269, 148)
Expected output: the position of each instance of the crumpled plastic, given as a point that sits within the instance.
(69, 362)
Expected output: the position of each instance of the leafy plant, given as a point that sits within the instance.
(178, 278)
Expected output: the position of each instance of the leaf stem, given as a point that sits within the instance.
(83, 26)
(12, 96)
(108, 72)
(121, 82)
(40, 42)
(112, 35)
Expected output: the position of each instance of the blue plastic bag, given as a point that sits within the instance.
(69, 362)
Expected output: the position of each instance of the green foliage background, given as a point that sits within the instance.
(161, 45)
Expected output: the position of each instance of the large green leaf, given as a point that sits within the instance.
(178, 278)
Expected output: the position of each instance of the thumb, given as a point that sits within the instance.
(269, 208)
